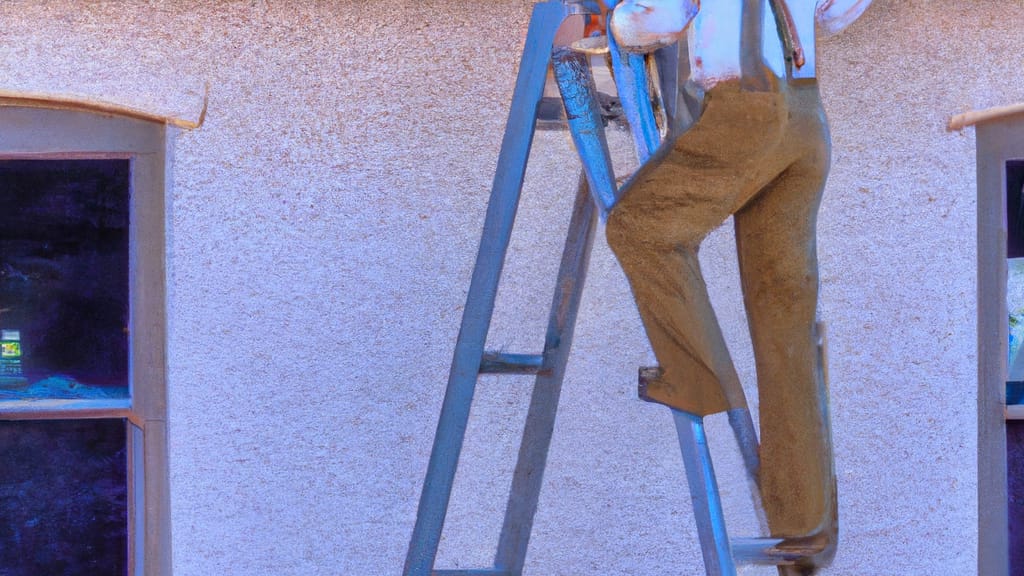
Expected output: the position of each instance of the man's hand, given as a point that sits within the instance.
(834, 15)
(646, 25)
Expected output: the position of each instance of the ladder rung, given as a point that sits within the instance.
(475, 572)
(775, 551)
(502, 363)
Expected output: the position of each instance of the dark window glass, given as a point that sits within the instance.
(1015, 385)
(64, 278)
(1015, 489)
(63, 493)
(1015, 209)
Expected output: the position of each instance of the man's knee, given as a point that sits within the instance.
(789, 285)
(653, 231)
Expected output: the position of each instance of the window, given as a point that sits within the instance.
(1015, 362)
(1000, 141)
(83, 487)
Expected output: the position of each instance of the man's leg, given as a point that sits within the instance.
(698, 375)
(775, 235)
(657, 226)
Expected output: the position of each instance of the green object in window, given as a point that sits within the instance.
(11, 375)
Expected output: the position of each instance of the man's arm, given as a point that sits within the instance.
(835, 15)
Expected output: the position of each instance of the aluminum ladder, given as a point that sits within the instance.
(470, 360)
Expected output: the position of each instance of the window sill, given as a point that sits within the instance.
(50, 408)
(1014, 412)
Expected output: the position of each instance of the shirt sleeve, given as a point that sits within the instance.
(835, 15)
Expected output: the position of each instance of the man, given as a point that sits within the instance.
(759, 151)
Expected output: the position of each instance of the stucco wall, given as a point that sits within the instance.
(322, 229)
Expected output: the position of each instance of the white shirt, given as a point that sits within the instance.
(714, 34)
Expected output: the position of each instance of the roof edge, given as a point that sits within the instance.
(37, 100)
(961, 121)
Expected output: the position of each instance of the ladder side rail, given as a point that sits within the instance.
(707, 502)
(633, 86)
(476, 318)
(586, 126)
(540, 421)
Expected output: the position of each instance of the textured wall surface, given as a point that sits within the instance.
(322, 229)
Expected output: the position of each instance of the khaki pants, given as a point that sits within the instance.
(762, 157)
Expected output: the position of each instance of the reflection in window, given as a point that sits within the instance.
(1015, 277)
(64, 278)
(63, 498)
(1015, 491)
(1015, 375)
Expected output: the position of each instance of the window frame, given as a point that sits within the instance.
(59, 131)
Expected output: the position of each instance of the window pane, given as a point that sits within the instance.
(63, 498)
(1015, 273)
(64, 278)
(1015, 489)
(1015, 374)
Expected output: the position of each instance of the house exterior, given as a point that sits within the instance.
(321, 227)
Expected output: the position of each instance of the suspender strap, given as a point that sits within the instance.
(753, 74)
(752, 68)
(786, 29)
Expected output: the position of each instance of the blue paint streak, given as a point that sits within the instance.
(576, 83)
